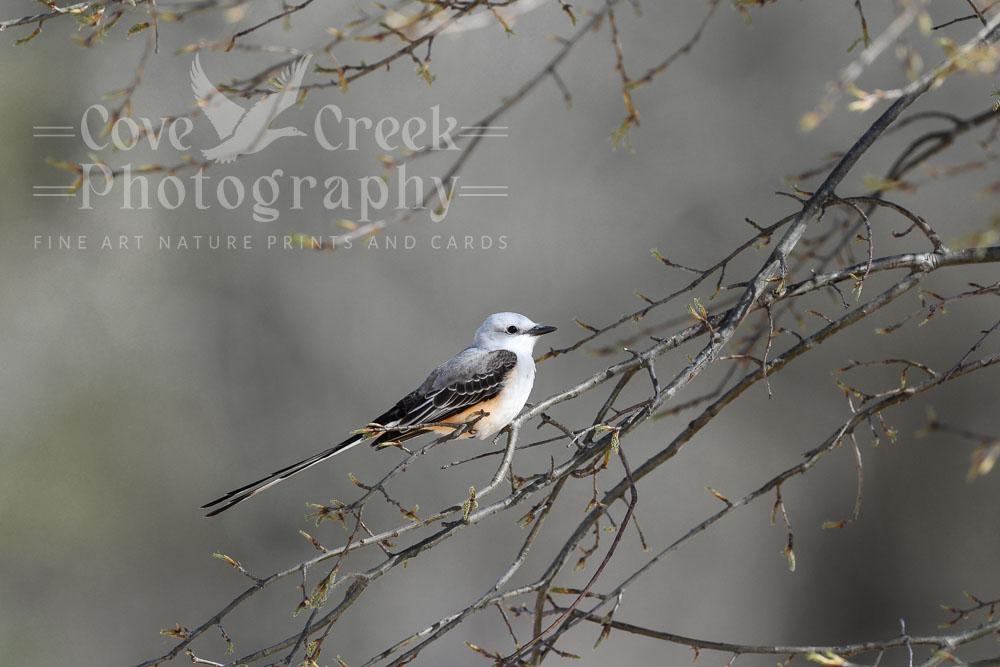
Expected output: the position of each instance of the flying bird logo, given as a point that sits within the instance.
(245, 131)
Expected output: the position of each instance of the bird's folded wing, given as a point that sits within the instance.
(223, 113)
(459, 384)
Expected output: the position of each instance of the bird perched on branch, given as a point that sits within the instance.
(475, 393)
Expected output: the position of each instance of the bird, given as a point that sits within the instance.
(477, 392)
(246, 131)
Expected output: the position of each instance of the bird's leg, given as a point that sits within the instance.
(476, 417)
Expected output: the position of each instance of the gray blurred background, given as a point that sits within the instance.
(138, 384)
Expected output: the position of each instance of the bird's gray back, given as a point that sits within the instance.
(463, 367)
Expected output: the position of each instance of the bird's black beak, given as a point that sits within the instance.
(540, 330)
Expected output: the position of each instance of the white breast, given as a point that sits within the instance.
(514, 395)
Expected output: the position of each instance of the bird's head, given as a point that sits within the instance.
(288, 132)
(510, 331)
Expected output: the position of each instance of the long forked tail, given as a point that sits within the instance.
(237, 496)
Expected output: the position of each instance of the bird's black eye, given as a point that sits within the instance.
(512, 329)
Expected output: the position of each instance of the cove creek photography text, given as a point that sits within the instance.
(361, 200)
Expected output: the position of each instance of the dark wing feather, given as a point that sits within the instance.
(438, 399)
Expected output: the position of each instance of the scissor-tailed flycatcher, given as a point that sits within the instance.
(484, 386)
